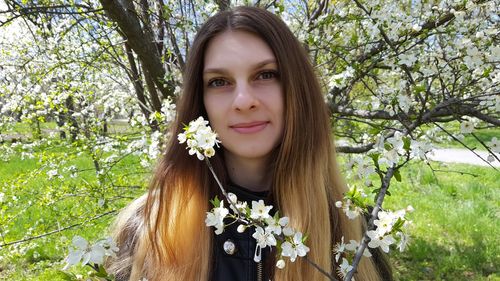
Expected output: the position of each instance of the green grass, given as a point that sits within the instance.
(484, 135)
(454, 231)
(455, 225)
(42, 205)
(25, 131)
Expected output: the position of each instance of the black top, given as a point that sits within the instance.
(239, 265)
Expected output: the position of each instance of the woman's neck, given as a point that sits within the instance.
(252, 174)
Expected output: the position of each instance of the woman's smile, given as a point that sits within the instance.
(250, 127)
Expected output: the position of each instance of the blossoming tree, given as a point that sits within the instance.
(395, 75)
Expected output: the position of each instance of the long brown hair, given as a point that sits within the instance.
(165, 233)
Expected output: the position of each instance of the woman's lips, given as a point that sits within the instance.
(249, 128)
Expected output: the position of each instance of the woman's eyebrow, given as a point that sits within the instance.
(265, 62)
(255, 66)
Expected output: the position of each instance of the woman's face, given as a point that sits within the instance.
(243, 95)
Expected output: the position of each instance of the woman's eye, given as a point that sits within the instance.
(266, 75)
(217, 83)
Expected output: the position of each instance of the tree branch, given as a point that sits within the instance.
(57, 230)
(141, 41)
(364, 242)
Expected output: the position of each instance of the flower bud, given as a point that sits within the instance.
(283, 221)
(280, 264)
(338, 204)
(241, 228)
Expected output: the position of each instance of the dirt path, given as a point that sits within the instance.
(460, 155)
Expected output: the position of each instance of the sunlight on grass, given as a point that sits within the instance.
(454, 225)
(38, 205)
(453, 235)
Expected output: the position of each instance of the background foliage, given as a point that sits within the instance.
(87, 89)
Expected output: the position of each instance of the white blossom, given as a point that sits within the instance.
(490, 158)
(403, 241)
(466, 127)
(294, 248)
(353, 247)
(390, 157)
(382, 241)
(288, 231)
(494, 145)
(216, 218)
(338, 204)
(351, 210)
(200, 138)
(385, 222)
(397, 141)
(260, 210)
(416, 27)
(264, 237)
(82, 251)
(404, 102)
(339, 249)
(273, 226)
(235, 205)
(419, 149)
(344, 267)
(52, 173)
(241, 228)
(168, 110)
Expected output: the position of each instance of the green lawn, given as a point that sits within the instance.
(454, 231)
(471, 140)
(455, 225)
(34, 205)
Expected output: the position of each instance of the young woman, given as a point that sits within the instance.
(250, 77)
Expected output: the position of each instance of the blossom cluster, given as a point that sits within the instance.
(270, 231)
(87, 254)
(200, 138)
(354, 203)
(347, 251)
(389, 224)
(390, 228)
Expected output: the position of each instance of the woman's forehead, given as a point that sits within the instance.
(237, 47)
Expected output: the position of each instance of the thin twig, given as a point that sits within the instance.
(485, 146)
(329, 276)
(385, 186)
(57, 230)
(217, 179)
(463, 144)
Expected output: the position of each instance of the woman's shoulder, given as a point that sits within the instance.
(126, 230)
(131, 213)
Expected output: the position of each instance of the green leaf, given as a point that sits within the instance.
(215, 202)
(397, 175)
(406, 143)
(419, 88)
(487, 72)
(398, 224)
(68, 276)
(375, 157)
(276, 216)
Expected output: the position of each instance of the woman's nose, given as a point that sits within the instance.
(244, 98)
